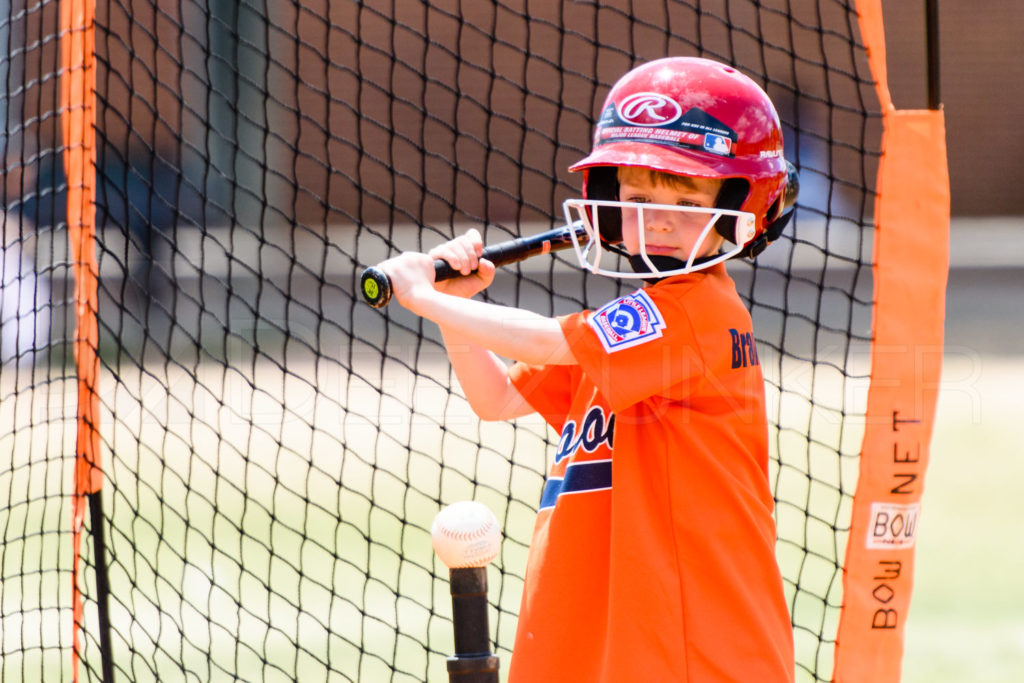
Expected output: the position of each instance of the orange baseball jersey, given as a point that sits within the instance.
(653, 554)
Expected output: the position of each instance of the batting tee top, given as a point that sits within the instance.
(652, 556)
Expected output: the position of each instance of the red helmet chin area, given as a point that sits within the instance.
(692, 117)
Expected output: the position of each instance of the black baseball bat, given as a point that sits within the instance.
(376, 285)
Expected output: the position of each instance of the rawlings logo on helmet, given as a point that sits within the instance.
(649, 109)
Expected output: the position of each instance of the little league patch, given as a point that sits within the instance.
(627, 321)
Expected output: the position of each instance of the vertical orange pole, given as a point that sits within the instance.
(911, 257)
(78, 119)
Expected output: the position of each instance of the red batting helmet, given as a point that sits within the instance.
(694, 117)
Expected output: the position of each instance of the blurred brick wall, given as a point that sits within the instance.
(982, 90)
(982, 72)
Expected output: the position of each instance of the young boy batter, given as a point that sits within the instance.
(653, 557)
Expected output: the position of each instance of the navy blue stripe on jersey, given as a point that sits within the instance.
(580, 477)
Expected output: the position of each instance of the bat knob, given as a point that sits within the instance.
(376, 287)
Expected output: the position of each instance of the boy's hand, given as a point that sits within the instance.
(463, 255)
(412, 273)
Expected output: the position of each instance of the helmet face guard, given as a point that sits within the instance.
(588, 214)
(692, 117)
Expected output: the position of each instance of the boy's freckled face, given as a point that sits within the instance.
(667, 232)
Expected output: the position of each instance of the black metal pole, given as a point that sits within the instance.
(473, 661)
(99, 545)
(931, 11)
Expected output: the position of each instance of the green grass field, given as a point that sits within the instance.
(966, 620)
(268, 528)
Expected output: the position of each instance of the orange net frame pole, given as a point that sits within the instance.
(911, 265)
(78, 118)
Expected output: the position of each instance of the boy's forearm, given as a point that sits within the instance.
(509, 332)
(484, 379)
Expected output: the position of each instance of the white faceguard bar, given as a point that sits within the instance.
(583, 213)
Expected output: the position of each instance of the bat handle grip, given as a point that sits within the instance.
(376, 285)
(443, 271)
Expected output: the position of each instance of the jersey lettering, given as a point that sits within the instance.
(744, 350)
(589, 475)
(596, 431)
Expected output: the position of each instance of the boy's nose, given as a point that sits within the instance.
(658, 221)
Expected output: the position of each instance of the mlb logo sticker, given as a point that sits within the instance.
(717, 144)
(626, 322)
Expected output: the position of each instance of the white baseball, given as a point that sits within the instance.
(466, 534)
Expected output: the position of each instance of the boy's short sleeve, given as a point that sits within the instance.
(548, 389)
(638, 346)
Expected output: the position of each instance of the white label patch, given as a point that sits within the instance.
(893, 525)
(628, 321)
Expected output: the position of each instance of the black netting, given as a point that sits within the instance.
(274, 449)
